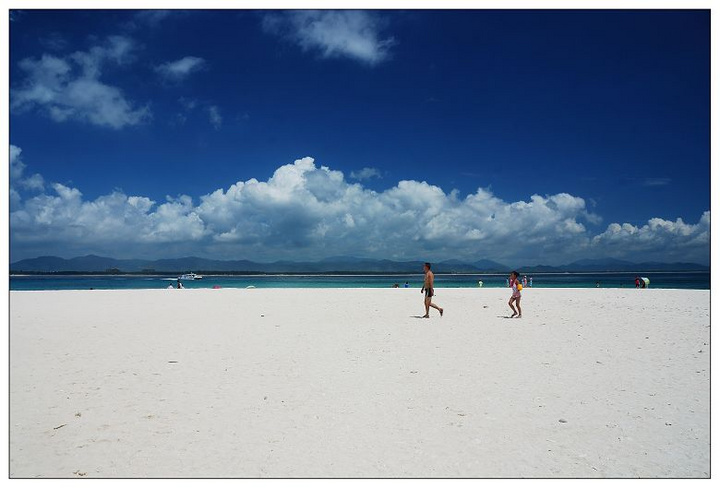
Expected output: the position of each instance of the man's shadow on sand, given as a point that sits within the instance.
(498, 316)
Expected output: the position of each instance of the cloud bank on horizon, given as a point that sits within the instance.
(308, 212)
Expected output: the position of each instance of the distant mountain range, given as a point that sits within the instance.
(339, 264)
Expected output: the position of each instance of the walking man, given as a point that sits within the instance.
(429, 291)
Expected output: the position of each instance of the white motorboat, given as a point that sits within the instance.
(190, 276)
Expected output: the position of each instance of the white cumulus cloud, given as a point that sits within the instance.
(657, 239)
(63, 219)
(70, 87)
(18, 179)
(307, 212)
(354, 34)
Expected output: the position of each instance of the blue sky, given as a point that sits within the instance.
(522, 136)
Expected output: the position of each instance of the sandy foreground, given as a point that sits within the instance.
(351, 383)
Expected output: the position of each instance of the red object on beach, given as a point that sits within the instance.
(216, 287)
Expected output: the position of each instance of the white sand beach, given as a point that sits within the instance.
(350, 383)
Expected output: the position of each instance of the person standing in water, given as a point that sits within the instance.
(428, 289)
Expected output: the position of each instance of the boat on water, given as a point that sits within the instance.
(190, 276)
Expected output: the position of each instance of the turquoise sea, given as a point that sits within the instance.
(682, 280)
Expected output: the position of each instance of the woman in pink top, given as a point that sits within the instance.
(513, 283)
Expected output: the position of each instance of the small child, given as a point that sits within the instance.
(513, 283)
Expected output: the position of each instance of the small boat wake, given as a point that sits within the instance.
(184, 277)
(190, 276)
